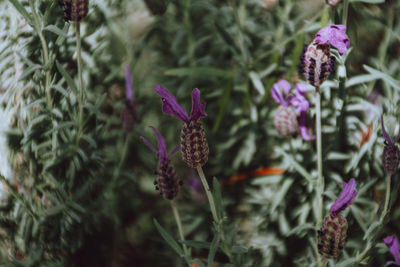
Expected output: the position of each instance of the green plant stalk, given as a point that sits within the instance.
(320, 179)
(209, 194)
(80, 79)
(345, 11)
(387, 198)
(45, 53)
(180, 230)
(324, 262)
(217, 220)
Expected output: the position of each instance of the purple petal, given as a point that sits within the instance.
(334, 35)
(301, 88)
(170, 105)
(278, 89)
(394, 247)
(385, 134)
(346, 197)
(304, 131)
(162, 149)
(128, 85)
(198, 109)
(300, 103)
(147, 143)
(176, 149)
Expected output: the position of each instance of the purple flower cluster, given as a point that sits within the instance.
(394, 247)
(297, 101)
(334, 35)
(391, 154)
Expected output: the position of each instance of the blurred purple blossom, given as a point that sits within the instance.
(281, 94)
(334, 35)
(162, 149)
(345, 199)
(171, 106)
(128, 113)
(394, 247)
(196, 188)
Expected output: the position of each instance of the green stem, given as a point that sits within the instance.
(180, 230)
(45, 53)
(345, 12)
(80, 83)
(324, 262)
(320, 180)
(217, 220)
(209, 194)
(387, 198)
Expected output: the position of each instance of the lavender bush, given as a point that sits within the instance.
(288, 157)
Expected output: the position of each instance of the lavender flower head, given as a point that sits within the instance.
(345, 199)
(291, 116)
(394, 247)
(334, 35)
(194, 146)
(128, 115)
(391, 154)
(167, 181)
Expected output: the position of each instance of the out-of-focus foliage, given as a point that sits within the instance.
(83, 199)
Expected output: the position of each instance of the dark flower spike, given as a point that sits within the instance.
(167, 181)
(345, 199)
(394, 247)
(170, 105)
(391, 154)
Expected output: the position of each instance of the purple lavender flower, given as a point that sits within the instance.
(167, 181)
(170, 105)
(345, 199)
(394, 247)
(291, 116)
(128, 115)
(391, 154)
(334, 35)
(194, 147)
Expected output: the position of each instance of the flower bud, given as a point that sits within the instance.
(285, 121)
(332, 236)
(75, 10)
(333, 2)
(167, 180)
(390, 159)
(194, 147)
(316, 63)
(128, 116)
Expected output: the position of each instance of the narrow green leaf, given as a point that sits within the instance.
(28, 71)
(56, 30)
(227, 38)
(66, 76)
(198, 71)
(394, 83)
(301, 229)
(257, 83)
(371, 228)
(21, 9)
(168, 238)
(196, 244)
(223, 104)
(213, 249)
(281, 194)
(217, 197)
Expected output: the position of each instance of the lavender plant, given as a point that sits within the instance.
(81, 189)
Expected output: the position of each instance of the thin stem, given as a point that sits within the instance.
(345, 12)
(80, 83)
(180, 230)
(209, 194)
(45, 53)
(320, 180)
(387, 198)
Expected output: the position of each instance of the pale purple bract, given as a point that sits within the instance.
(334, 35)
(392, 242)
(345, 199)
